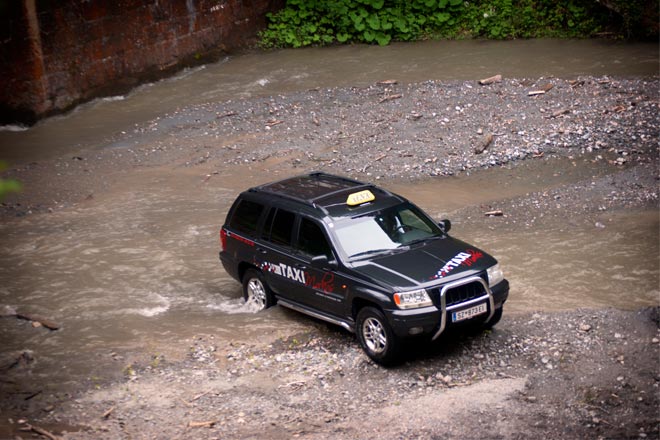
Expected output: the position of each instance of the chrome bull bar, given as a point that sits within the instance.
(443, 301)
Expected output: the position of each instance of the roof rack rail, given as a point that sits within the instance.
(283, 195)
(341, 190)
(334, 176)
(352, 185)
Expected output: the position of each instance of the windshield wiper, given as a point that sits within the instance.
(371, 252)
(419, 240)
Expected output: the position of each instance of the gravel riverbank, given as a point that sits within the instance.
(580, 374)
(386, 131)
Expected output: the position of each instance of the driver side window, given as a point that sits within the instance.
(312, 241)
(410, 219)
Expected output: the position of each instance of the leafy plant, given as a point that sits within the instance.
(318, 22)
(7, 185)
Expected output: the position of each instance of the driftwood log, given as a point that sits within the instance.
(51, 325)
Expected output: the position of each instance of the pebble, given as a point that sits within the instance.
(584, 327)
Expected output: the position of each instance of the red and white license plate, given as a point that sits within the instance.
(469, 313)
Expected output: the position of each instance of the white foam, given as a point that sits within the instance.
(14, 127)
(161, 306)
(113, 98)
(152, 311)
(234, 306)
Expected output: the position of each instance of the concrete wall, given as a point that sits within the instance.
(55, 54)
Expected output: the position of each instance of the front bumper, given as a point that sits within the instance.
(434, 320)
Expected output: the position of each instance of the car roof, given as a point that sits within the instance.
(329, 193)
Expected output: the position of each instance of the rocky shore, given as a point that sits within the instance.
(579, 374)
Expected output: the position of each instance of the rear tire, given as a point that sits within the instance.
(256, 291)
(376, 336)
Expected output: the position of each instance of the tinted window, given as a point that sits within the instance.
(312, 241)
(246, 217)
(265, 233)
(282, 229)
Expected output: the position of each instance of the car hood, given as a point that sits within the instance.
(425, 264)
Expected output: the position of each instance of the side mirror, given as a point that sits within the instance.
(322, 262)
(445, 225)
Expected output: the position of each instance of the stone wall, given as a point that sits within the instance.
(56, 54)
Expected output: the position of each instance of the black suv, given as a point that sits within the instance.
(358, 256)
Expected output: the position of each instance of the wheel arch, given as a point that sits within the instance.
(243, 267)
(359, 303)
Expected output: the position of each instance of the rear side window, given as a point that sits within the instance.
(282, 230)
(246, 217)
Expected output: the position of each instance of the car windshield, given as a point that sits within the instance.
(385, 231)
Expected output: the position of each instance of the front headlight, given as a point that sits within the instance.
(413, 299)
(495, 275)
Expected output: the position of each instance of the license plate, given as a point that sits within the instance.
(469, 313)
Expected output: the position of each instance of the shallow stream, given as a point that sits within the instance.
(136, 269)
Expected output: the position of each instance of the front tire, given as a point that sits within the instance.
(495, 319)
(256, 292)
(376, 336)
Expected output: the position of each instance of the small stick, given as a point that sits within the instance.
(560, 112)
(226, 115)
(542, 91)
(43, 432)
(390, 97)
(35, 394)
(490, 80)
(208, 424)
(199, 396)
(107, 413)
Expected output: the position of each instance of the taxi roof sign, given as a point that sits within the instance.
(360, 197)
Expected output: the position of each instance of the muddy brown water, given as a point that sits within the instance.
(263, 74)
(136, 269)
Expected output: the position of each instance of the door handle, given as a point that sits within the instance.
(261, 250)
(301, 266)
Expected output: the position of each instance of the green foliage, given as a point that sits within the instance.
(317, 22)
(323, 22)
(504, 19)
(639, 18)
(7, 185)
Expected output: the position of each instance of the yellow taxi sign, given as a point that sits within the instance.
(360, 197)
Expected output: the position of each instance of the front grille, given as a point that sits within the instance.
(460, 294)
(464, 293)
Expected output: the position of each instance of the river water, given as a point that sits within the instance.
(263, 74)
(136, 269)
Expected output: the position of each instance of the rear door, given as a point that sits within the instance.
(282, 270)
